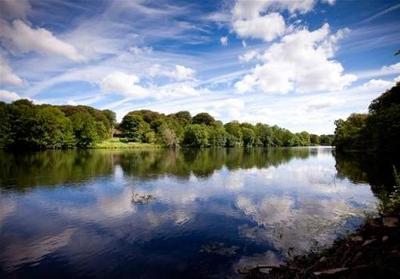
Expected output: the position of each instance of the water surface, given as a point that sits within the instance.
(172, 214)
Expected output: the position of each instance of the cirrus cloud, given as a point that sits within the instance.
(7, 76)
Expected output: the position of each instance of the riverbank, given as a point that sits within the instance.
(118, 143)
(373, 251)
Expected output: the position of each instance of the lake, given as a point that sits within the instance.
(174, 214)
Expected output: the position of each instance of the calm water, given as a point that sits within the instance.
(167, 214)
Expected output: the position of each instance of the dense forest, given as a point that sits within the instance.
(29, 126)
(379, 130)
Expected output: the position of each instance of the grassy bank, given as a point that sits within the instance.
(120, 143)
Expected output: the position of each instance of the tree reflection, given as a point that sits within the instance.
(374, 169)
(52, 167)
(20, 171)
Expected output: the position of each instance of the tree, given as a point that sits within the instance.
(304, 138)
(5, 127)
(196, 136)
(203, 118)
(232, 141)
(169, 138)
(249, 137)
(314, 139)
(134, 127)
(388, 99)
(84, 127)
(235, 130)
(326, 140)
(101, 130)
(149, 137)
(217, 136)
(349, 132)
(184, 118)
(383, 123)
(53, 129)
(264, 134)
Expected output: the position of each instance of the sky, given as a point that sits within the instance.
(299, 64)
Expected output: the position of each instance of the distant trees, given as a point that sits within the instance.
(377, 130)
(326, 139)
(202, 130)
(25, 125)
(28, 126)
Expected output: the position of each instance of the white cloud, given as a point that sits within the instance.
(266, 27)
(301, 61)
(330, 2)
(123, 84)
(260, 19)
(392, 69)
(252, 8)
(8, 96)
(173, 90)
(383, 71)
(179, 73)
(6, 74)
(20, 37)
(249, 56)
(224, 40)
(183, 73)
(377, 84)
(12, 9)
(128, 85)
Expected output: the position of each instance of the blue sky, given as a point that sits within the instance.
(298, 64)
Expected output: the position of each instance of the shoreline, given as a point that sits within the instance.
(372, 251)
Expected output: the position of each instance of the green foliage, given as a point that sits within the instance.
(28, 126)
(196, 136)
(390, 202)
(233, 128)
(378, 130)
(326, 139)
(304, 138)
(183, 117)
(203, 118)
(349, 132)
(85, 129)
(54, 129)
(5, 125)
(134, 127)
(314, 139)
(264, 134)
(217, 136)
(178, 129)
(169, 138)
(249, 137)
(232, 141)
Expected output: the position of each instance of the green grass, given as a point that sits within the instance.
(117, 143)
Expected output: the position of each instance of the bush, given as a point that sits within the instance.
(196, 136)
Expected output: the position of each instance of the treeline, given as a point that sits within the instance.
(202, 130)
(28, 126)
(379, 130)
